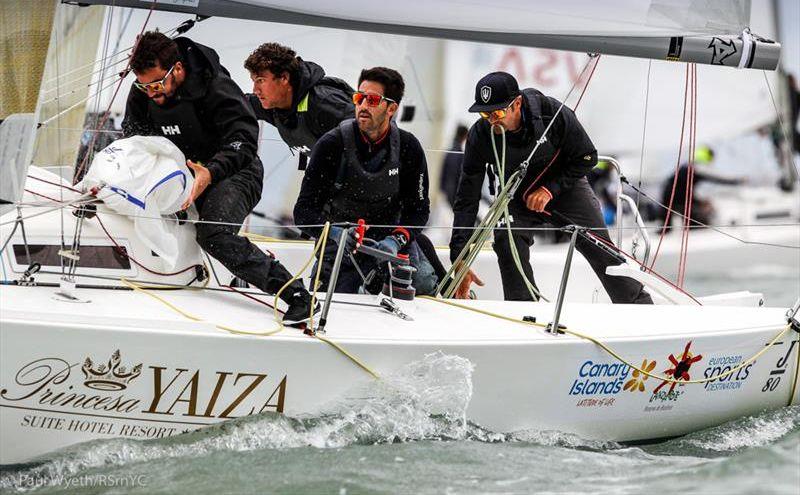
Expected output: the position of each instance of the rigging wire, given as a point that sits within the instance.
(644, 129)
(78, 172)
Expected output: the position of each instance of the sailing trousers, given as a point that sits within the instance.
(581, 206)
(229, 202)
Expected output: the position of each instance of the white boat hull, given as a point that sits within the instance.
(178, 368)
(194, 374)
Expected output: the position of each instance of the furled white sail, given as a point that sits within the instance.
(684, 30)
(571, 17)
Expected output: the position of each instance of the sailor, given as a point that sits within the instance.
(554, 189)
(676, 187)
(296, 97)
(368, 168)
(182, 92)
(451, 165)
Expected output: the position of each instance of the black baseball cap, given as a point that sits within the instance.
(494, 91)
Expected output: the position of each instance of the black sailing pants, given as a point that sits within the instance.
(229, 202)
(581, 206)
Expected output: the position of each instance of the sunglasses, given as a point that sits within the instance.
(155, 86)
(497, 114)
(373, 100)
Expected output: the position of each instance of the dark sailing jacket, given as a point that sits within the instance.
(319, 103)
(566, 145)
(350, 178)
(208, 118)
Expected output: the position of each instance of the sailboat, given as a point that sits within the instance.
(98, 340)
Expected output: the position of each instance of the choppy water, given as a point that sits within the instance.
(410, 434)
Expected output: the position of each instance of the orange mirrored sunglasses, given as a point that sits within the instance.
(373, 100)
(499, 113)
(155, 86)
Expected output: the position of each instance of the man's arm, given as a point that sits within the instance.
(577, 156)
(237, 126)
(468, 197)
(708, 176)
(416, 205)
(317, 185)
(136, 122)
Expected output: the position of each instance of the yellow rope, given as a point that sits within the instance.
(264, 238)
(352, 357)
(299, 274)
(483, 311)
(320, 245)
(672, 380)
(616, 355)
(143, 290)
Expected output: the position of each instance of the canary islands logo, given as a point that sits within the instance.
(110, 376)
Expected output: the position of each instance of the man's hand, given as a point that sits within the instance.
(462, 291)
(390, 244)
(350, 241)
(538, 199)
(202, 178)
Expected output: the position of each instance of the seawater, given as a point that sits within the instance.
(410, 434)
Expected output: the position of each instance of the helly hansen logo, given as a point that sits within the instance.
(170, 130)
(300, 149)
(394, 171)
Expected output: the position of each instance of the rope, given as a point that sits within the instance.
(501, 161)
(348, 355)
(718, 228)
(461, 265)
(123, 252)
(144, 290)
(616, 355)
(689, 193)
(677, 169)
(338, 347)
(296, 277)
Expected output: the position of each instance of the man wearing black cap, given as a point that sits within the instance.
(554, 189)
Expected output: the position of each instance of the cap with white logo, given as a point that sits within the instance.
(494, 91)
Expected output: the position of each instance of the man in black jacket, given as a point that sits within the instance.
(368, 168)
(182, 92)
(296, 97)
(555, 178)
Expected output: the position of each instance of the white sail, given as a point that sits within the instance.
(684, 30)
(571, 17)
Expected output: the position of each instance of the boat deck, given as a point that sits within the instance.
(433, 321)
